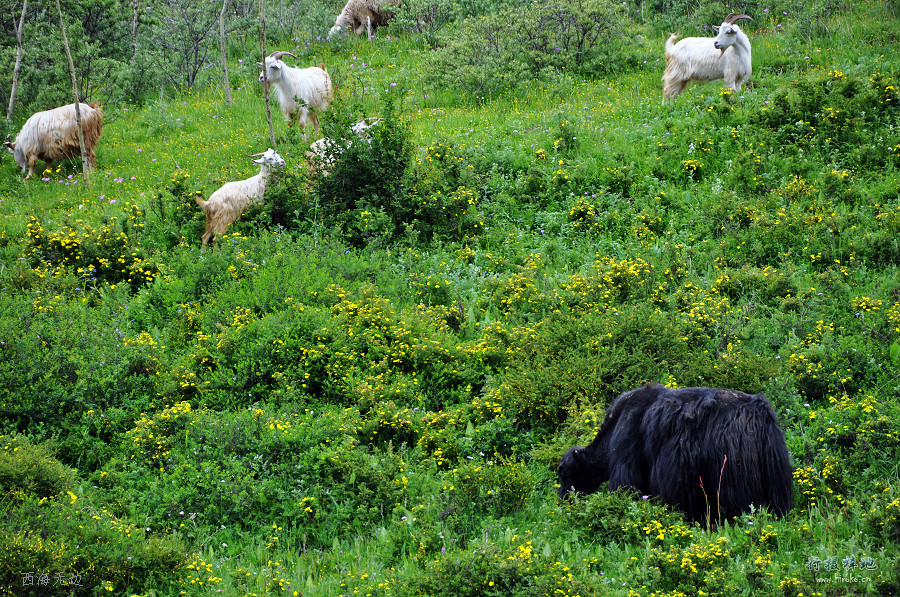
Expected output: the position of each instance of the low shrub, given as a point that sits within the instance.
(623, 517)
(57, 542)
(514, 566)
(31, 469)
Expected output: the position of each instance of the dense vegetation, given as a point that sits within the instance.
(365, 387)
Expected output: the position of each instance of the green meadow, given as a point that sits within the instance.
(365, 386)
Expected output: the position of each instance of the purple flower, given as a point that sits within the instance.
(112, 201)
(139, 150)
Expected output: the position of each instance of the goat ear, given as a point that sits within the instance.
(716, 28)
(578, 455)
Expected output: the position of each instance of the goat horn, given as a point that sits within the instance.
(730, 19)
(279, 55)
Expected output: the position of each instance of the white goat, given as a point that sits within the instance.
(726, 56)
(228, 203)
(364, 15)
(322, 153)
(298, 89)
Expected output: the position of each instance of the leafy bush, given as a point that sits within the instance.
(489, 54)
(365, 178)
(52, 538)
(832, 112)
(27, 468)
(109, 254)
(624, 517)
(488, 487)
(176, 216)
(568, 361)
(515, 567)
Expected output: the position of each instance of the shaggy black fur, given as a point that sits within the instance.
(667, 442)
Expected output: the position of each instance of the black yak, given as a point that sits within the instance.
(706, 451)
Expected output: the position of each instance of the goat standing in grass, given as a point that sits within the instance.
(726, 56)
(228, 203)
(53, 135)
(300, 91)
(364, 15)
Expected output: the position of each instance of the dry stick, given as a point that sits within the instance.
(719, 492)
(85, 164)
(134, 27)
(222, 44)
(18, 67)
(262, 17)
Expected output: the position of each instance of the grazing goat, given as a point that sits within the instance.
(299, 91)
(706, 451)
(228, 203)
(53, 135)
(321, 155)
(726, 56)
(364, 15)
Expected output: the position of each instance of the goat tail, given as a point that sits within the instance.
(200, 202)
(671, 42)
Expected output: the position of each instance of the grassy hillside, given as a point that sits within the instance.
(366, 387)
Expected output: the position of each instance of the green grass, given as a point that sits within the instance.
(373, 402)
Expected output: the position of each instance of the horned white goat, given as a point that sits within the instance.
(52, 135)
(322, 153)
(227, 203)
(298, 89)
(726, 56)
(364, 15)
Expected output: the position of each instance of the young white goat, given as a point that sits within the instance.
(298, 89)
(726, 56)
(228, 203)
(322, 153)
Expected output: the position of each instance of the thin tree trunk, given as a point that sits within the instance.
(85, 164)
(17, 69)
(134, 27)
(262, 17)
(224, 59)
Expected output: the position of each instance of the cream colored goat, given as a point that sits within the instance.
(227, 203)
